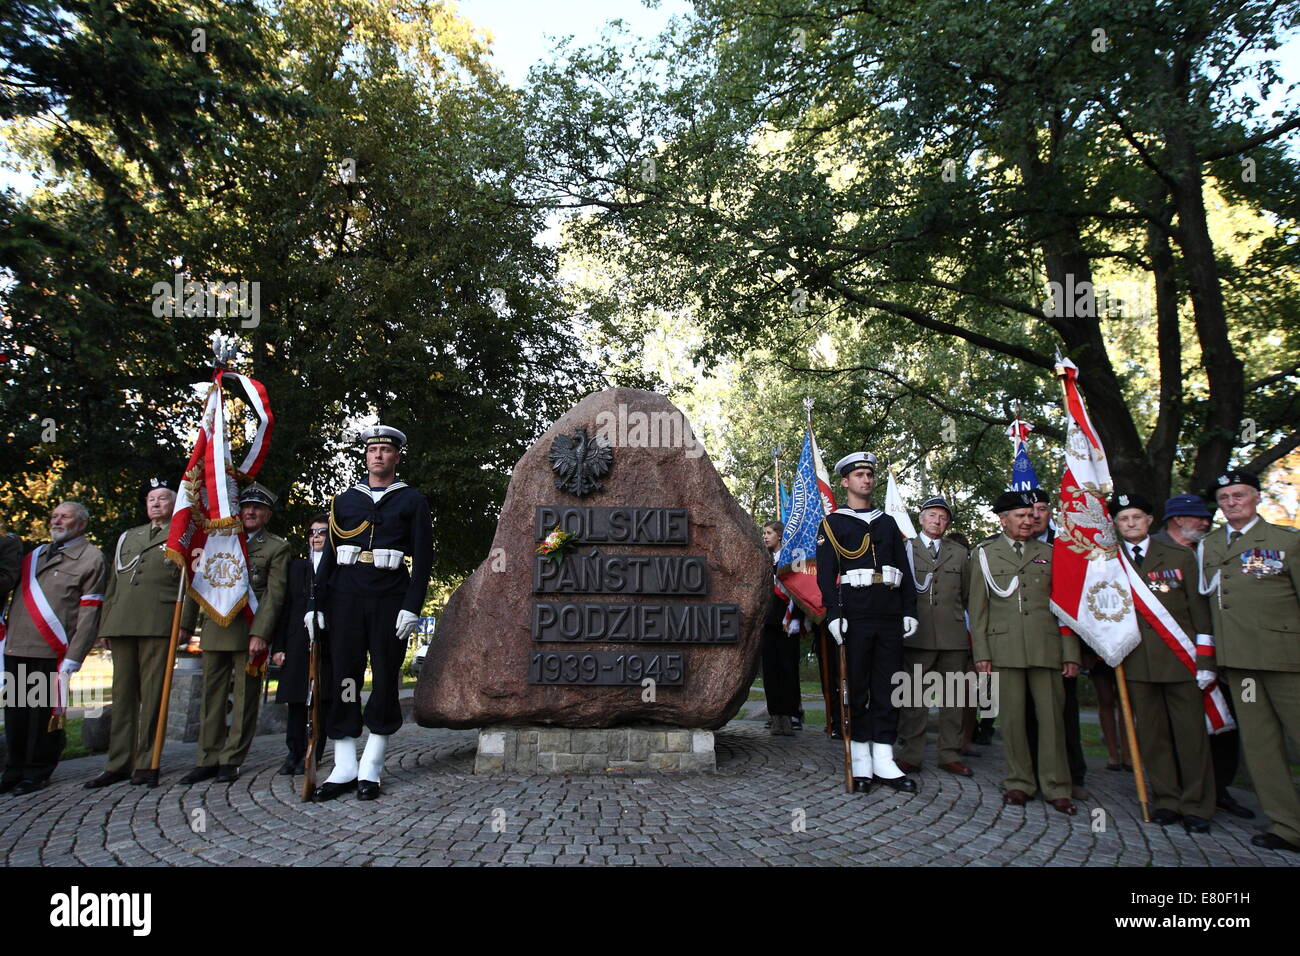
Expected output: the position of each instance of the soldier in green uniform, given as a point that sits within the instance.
(941, 573)
(230, 653)
(1168, 706)
(1252, 569)
(1016, 635)
(11, 557)
(137, 618)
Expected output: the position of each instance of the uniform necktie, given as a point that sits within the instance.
(1020, 549)
(1233, 536)
(934, 550)
(1137, 555)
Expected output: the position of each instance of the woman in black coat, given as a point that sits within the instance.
(780, 650)
(290, 652)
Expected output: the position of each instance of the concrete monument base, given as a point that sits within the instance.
(540, 749)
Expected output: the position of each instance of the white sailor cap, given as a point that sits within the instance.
(381, 435)
(851, 463)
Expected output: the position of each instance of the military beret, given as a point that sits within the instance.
(851, 463)
(1232, 478)
(1188, 505)
(936, 502)
(150, 484)
(256, 494)
(1123, 502)
(381, 435)
(1011, 500)
(1041, 494)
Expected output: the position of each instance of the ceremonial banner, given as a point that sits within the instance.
(206, 537)
(811, 500)
(1090, 587)
(1023, 476)
(895, 508)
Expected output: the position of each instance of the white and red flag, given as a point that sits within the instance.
(207, 537)
(1096, 591)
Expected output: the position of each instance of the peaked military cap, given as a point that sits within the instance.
(851, 463)
(1012, 500)
(256, 494)
(381, 435)
(938, 501)
(1120, 503)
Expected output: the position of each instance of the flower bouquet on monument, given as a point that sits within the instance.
(557, 544)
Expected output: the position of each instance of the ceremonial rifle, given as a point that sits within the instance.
(313, 709)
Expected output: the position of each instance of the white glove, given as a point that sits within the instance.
(838, 628)
(318, 622)
(1205, 678)
(406, 622)
(910, 624)
(69, 666)
(794, 627)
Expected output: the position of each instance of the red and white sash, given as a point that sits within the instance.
(46, 621)
(1217, 716)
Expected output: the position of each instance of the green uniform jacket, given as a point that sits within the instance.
(268, 564)
(142, 586)
(1020, 630)
(1152, 660)
(941, 623)
(1257, 608)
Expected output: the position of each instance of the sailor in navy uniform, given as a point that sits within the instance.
(370, 603)
(870, 607)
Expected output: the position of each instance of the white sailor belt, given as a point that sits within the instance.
(386, 559)
(858, 577)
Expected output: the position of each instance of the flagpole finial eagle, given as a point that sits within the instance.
(578, 461)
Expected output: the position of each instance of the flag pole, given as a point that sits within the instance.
(776, 474)
(160, 733)
(1131, 732)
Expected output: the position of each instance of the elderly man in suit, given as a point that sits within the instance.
(940, 646)
(52, 624)
(291, 651)
(1017, 637)
(1252, 571)
(1168, 707)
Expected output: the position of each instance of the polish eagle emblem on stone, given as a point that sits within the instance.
(578, 461)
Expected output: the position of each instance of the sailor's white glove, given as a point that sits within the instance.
(406, 622)
(69, 666)
(838, 628)
(314, 619)
(1205, 678)
(794, 627)
(910, 624)
(891, 576)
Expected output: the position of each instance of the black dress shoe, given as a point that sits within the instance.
(1196, 824)
(228, 773)
(861, 784)
(835, 735)
(7, 785)
(105, 779)
(31, 786)
(288, 768)
(368, 790)
(199, 774)
(1165, 817)
(140, 777)
(328, 791)
(1269, 841)
(1228, 804)
(901, 784)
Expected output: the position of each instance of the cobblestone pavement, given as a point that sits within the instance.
(772, 801)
